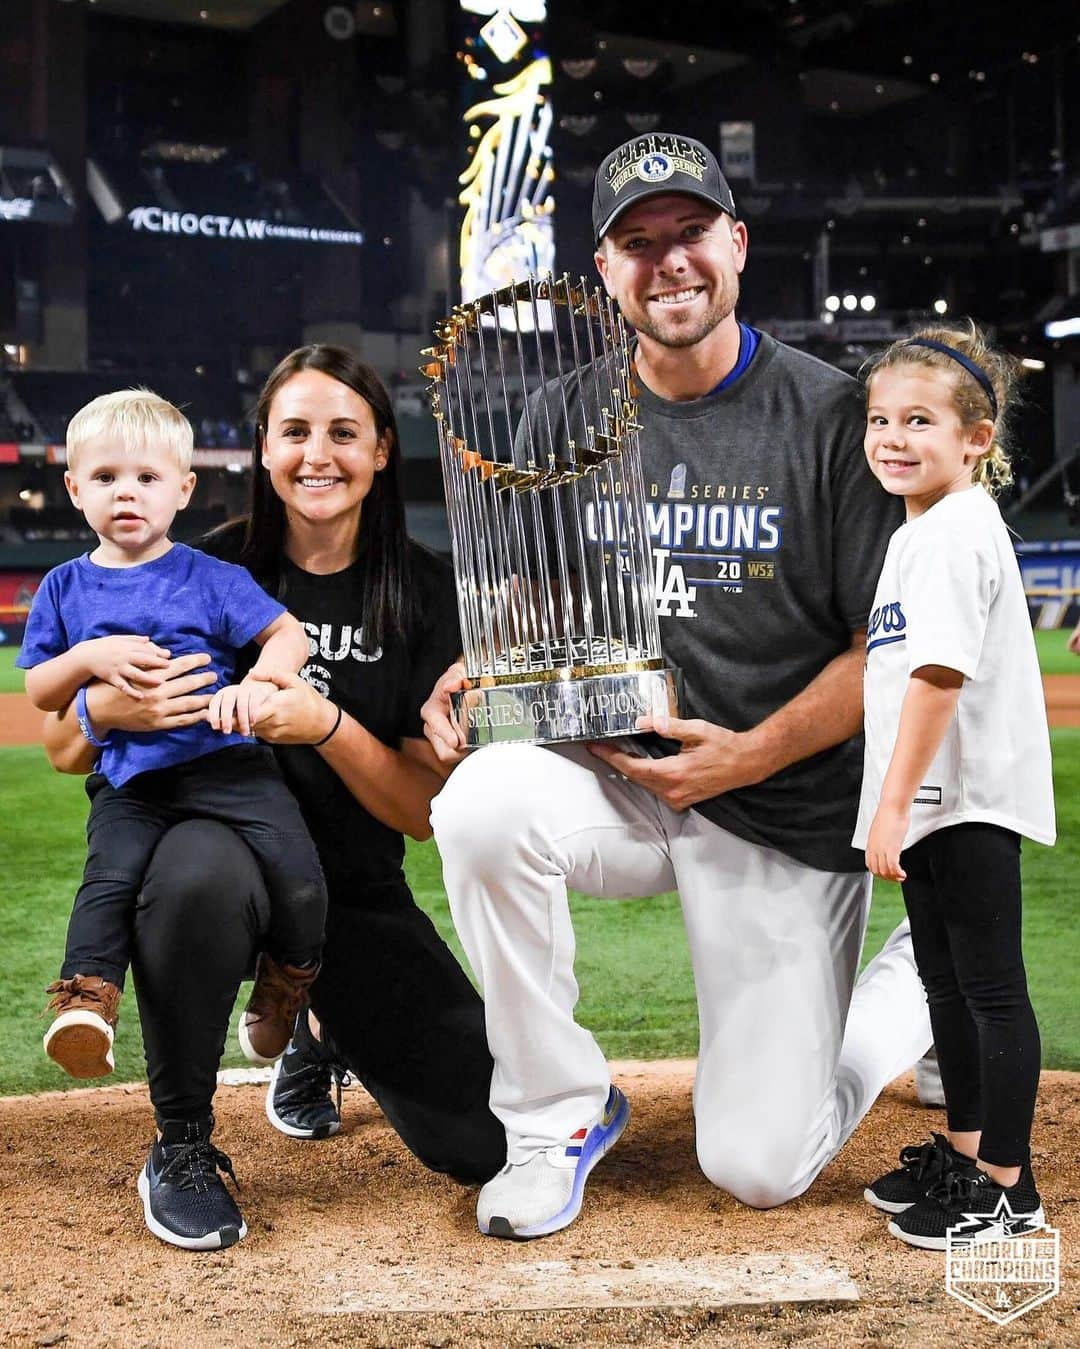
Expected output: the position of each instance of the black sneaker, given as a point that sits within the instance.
(298, 1100)
(921, 1167)
(975, 1204)
(184, 1200)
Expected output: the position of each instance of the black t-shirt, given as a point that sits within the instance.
(768, 533)
(382, 689)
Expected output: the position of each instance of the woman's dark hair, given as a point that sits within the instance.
(387, 599)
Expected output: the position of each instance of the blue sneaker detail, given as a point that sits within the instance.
(544, 1194)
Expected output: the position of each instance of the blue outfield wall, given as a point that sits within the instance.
(1051, 572)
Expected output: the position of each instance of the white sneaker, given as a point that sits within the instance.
(928, 1086)
(543, 1195)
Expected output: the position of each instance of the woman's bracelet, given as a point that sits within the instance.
(332, 731)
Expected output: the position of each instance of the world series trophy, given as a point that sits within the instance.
(535, 406)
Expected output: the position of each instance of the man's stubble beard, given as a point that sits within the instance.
(722, 306)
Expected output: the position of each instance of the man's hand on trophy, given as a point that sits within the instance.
(711, 760)
(442, 731)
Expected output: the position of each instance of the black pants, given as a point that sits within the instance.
(240, 786)
(390, 994)
(963, 897)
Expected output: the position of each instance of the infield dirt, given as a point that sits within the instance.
(337, 1227)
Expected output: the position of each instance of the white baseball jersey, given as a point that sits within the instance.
(950, 594)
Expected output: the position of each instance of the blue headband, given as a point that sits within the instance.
(978, 375)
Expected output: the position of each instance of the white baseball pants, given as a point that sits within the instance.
(785, 1072)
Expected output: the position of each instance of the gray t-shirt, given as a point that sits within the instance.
(768, 533)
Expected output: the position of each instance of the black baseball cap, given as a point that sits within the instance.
(649, 165)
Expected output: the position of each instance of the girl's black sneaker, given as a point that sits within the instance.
(921, 1166)
(975, 1205)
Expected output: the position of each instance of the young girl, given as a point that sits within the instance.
(957, 768)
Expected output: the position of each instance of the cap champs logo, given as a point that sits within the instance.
(655, 168)
(654, 159)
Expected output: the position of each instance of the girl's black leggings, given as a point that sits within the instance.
(963, 898)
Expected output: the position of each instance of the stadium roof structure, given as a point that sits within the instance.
(879, 36)
(235, 14)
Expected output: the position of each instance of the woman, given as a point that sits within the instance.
(327, 535)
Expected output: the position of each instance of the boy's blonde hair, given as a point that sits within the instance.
(992, 470)
(138, 419)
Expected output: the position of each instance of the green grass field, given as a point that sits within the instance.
(11, 680)
(1054, 657)
(633, 969)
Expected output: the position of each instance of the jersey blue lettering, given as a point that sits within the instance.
(889, 621)
(703, 526)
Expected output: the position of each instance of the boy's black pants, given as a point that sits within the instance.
(240, 786)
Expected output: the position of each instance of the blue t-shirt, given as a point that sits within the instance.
(185, 601)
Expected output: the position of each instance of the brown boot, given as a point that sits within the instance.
(268, 1020)
(80, 1038)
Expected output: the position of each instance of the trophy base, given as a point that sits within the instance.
(592, 707)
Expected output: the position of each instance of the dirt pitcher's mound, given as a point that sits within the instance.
(352, 1242)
